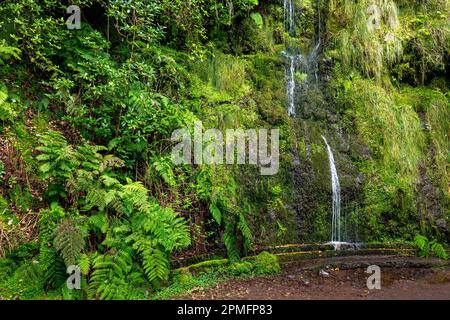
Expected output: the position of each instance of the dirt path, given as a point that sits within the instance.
(401, 278)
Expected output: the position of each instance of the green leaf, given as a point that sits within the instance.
(215, 212)
(45, 167)
(258, 19)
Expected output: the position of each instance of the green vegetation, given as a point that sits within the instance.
(430, 248)
(212, 272)
(87, 116)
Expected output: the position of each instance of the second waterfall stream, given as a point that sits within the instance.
(336, 236)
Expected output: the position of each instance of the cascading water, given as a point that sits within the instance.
(302, 79)
(290, 83)
(289, 16)
(304, 64)
(292, 58)
(336, 220)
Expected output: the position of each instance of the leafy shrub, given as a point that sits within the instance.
(430, 248)
(7, 110)
(7, 52)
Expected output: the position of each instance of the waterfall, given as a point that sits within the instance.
(336, 220)
(290, 84)
(304, 63)
(289, 16)
(292, 58)
(313, 67)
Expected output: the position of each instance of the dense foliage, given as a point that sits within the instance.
(86, 119)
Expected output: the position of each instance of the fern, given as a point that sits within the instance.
(230, 241)
(156, 233)
(245, 231)
(423, 245)
(427, 248)
(69, 240)
(84, 262)
(134, 196)
(215, 212)
(164, 169)
(438, 250)
(109, 278)
(50, 263)
(7, 110)
(90, 158)
(221, 193)
(57, 162)
(53, 267)
(6, 52)
(155, 261)
(421, 241)
(99, 222)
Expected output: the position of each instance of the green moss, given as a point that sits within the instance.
(203, 267)
(240, 268)
(435, 106)
(265, 263)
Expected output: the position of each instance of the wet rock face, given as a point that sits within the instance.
(313, 192)
(430, 200)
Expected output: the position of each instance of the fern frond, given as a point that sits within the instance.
(215, 212)
(69, 240)
(245, 232)
(154, 261)
(84, 262)
(99, 222)
(109, 278)
(230, 241)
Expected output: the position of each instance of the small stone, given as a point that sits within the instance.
(324, 274)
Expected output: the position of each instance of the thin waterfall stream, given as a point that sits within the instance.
(291, 57)
(301, 69)
(336, 237)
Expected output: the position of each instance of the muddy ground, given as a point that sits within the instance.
(343, 278)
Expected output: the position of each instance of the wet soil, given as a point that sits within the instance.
(339, 279)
